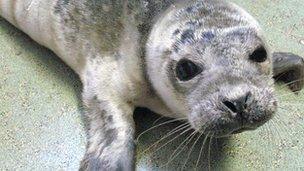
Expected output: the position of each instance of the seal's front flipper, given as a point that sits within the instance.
(110, 136)
(289, 68)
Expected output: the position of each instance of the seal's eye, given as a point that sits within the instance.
(186, 70)
(259, 55)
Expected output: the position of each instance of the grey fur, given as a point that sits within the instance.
(199, 29)
(126, 52)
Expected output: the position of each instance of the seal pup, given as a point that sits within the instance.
(206, 61)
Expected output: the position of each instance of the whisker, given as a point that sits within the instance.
(291, 103)
(292, 107)
(288, 109)
(191, 149)
(265, 131)
(282, 125)
(186, 142)
(294, 36)
(268, 140)
(289, 94)
(280, 76)
(173, 138)
(209, 153)
(270, 134)
(201, 150)
(291, 82)
(156, 126)
(298, 115)
(276, 131)
(157, 120)
(179, 129)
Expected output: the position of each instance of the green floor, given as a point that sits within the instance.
(41, 126)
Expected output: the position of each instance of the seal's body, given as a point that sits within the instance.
(204, 60)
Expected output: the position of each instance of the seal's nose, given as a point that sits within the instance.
(238, 106)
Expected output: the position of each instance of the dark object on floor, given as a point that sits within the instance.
(289, 68)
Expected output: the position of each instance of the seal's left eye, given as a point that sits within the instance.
(259, 55)
(186, 70)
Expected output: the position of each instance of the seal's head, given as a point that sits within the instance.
(208, 62)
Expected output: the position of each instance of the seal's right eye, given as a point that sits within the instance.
(186, 70)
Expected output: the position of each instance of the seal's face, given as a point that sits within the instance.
(222, 81)
(216, 74)
(226, 80)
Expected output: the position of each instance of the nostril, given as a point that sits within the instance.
(248, 100)
(248, 97)
(231, 106)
